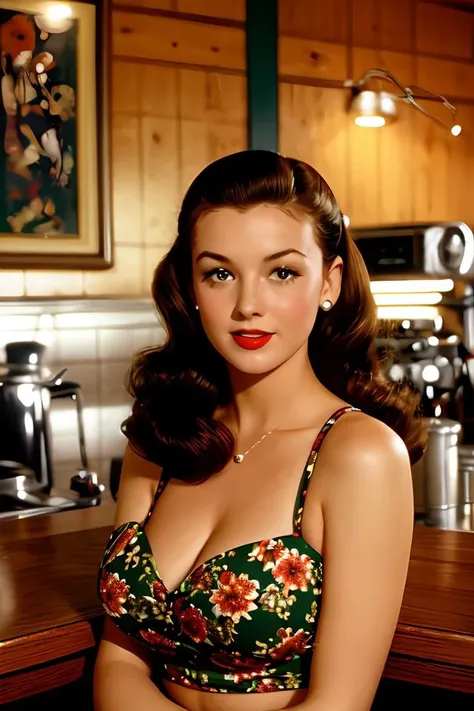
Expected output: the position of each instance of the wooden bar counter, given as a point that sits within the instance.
(50, 614)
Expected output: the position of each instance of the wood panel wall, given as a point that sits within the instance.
(179, 101)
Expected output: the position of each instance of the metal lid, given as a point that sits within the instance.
(442, 425)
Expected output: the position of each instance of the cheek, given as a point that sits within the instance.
(214, 308)
(299, 301)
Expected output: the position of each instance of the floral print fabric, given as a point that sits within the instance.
(244, 621)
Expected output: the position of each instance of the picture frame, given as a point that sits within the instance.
(55, 181)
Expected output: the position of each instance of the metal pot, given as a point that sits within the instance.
(26, 391)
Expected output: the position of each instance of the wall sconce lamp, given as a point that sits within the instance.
(374, 109)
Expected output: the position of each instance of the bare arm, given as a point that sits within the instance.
(367, 500)
(122, 674)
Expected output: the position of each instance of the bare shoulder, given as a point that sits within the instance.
(138, 481)
(367, 504)
(362, 450)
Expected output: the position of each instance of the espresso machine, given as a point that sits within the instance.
(421, 277)
(27, 392)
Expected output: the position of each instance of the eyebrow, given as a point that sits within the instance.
(221, 258)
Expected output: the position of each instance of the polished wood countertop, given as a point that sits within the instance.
(48, 597)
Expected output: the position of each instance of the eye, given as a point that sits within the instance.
(218, 274)
(285, 274)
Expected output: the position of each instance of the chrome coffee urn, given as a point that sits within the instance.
(26, 462)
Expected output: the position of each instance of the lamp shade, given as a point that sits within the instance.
(373, 109)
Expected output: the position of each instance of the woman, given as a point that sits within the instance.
(214, 576)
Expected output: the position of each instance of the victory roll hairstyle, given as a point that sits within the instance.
(178, 386)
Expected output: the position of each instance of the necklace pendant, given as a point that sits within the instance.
(238, 458)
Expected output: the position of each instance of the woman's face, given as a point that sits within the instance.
(258, 282)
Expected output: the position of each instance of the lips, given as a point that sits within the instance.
(251, 340)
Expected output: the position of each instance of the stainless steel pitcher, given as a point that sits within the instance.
(26, 391)
(443, 487)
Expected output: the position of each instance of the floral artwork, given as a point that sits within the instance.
(38, 124)
(55, 152)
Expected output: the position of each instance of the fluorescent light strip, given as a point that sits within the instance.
(424, 313)
(411, 285)
(426, 299)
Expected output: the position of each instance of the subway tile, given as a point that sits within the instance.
(87, 376)
(49, 338)
(88, 319)
(18, 322)
(65, 434)
(77, 345)
(12, 284)
(45, 321)
(113, 442)
(122, 344)
(116, 343)
(112, 384)
(146, 337)
(54, 283)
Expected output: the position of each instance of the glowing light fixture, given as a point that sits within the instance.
(407, 299)
(411, 286)
(59, 11)
(374, 109)
(413, 313)
(430, 374)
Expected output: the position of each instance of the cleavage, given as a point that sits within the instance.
(192, 524)
(178, 525)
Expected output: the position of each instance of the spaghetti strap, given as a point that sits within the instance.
(310, 464)
(159, 490)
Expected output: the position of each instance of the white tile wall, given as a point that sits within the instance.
(76, 345)
(95, 340)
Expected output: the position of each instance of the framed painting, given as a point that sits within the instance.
(55, 202)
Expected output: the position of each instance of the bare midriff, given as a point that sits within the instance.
(193, 700)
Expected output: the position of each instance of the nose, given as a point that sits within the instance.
(249, 300)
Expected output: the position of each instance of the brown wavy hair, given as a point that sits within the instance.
(178, 386)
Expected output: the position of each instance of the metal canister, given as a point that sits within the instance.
(444, 495)
(466, 466)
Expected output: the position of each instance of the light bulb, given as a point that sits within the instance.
(59, 12)
(369, 121)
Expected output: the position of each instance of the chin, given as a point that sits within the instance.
(253, 368)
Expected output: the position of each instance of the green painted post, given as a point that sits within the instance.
(262, 74)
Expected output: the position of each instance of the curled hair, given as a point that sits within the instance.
(178, 386)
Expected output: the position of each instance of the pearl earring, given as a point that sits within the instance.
(197, 307)
(326, 305)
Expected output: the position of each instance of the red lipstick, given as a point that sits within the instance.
(251, 340)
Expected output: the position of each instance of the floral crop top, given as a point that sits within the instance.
(244, 621)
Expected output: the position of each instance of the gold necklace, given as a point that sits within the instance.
(238, 458)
